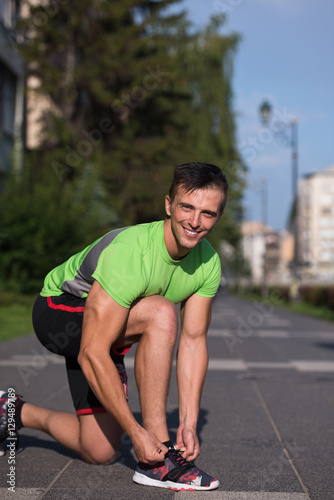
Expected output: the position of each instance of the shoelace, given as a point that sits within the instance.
(176, 454)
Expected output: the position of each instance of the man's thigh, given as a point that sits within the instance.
(58, 326)
(58, 323)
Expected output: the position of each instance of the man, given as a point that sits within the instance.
(121, 290)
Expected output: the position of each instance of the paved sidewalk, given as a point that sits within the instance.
(266, 419)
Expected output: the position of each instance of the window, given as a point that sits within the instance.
(325, 222)
(326, 211)
(9, 10)
(326, 233)
(326, 256)
(326, 199)
(326, 188)
(7, 115)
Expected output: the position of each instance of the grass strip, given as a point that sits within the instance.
(15, 315)
(298, 306)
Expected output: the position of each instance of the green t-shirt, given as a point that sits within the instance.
(133, 262)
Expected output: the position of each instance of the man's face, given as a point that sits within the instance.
(192, 216)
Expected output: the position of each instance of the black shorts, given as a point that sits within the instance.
(58, 324)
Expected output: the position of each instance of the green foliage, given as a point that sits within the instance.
(279, 296)
(312, 296)
(43, 223)
(163, 90)
(318, 295)
(15, 314)
(124, 77)
(133, 91)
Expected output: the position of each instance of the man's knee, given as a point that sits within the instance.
(100, 438)
(99, 455)
(151, 317)
(163, 317)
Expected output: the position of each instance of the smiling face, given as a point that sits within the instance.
(192, 215)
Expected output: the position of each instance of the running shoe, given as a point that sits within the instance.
(5, 430)
(174, 473)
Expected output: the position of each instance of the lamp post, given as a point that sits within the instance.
(264, 210)
(261, 189)
(265, 114)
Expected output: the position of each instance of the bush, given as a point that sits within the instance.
(330, 297)
(45, 223)
(321, 296)
(281, 292)
(315, 295)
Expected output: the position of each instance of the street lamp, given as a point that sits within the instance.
(265, 114)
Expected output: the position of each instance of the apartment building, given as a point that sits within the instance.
(316, 225)
(253, 246)
(12, 84)
(269, 253)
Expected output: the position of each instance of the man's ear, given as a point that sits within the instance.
(167, 205)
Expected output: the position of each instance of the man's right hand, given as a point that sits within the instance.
(148, 448)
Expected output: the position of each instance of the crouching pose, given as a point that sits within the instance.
(121, 290)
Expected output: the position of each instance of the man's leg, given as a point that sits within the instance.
(95, 437)
(155, 320)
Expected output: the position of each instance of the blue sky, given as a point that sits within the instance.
(285, 56)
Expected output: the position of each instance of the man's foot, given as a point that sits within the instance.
(174, 473)
(5, 429)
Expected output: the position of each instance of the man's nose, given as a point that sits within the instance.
(194, 220)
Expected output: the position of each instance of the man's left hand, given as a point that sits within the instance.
(187, 443)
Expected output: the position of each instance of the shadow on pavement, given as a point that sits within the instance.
(27, 442)
(325, 345)
(127, 456)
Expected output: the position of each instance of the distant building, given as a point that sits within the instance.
(253, 246)
(272, 257)
(12, 85)
(316, 225)
(269, 253)
(286, 254)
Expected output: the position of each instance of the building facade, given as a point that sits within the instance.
(316, 225)
(253, 246)
(269, 253)
(12, 91)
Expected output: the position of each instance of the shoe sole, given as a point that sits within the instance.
(147, 481)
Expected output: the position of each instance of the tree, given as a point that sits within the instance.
(207, 62)
(126, 100)
(42, 226)
(132, 90)
(112, 98)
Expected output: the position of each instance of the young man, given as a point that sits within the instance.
(120, 290)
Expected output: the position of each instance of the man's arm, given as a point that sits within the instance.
(192, 362)
(104, 320)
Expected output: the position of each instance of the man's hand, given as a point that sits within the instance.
(148, 448)
(187, 443)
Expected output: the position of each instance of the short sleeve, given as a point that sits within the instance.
(212, 275)
(120, 273)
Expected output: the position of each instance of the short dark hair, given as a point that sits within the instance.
(197, 175)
